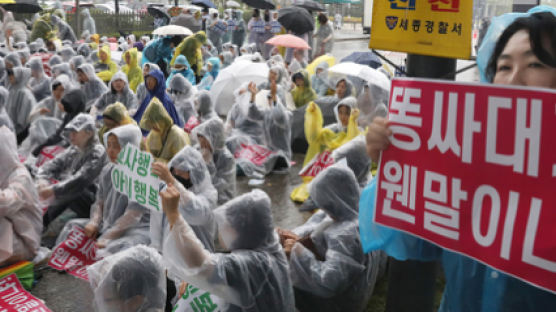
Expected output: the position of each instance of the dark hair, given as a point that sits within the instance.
(297, 75)
(10, 72)
(322, 18)
(540, 26)
(55, 85)
(256, 13)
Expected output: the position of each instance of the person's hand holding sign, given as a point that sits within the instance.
(163, 173)
(377, 137)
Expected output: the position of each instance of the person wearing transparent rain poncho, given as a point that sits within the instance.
(181, 93)
(117, 222)
(133, 280)
(119, 92)
(50, 106)
(189, 175)
(76, 169)
(254, 276)
(39, 83)
(20, 101)
(329, 270)
(372, 102)
(220, 162)
(20, 214)
(204, 106)
(90, 83)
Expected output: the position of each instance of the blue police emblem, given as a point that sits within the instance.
(391, 22)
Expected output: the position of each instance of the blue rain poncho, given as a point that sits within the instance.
(160, 93)
(186, 71)
(210, 76)
(196, 203)
(254, 276)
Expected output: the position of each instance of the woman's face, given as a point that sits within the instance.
(203, 142)
(518, 65)
(79, 138)
(113, 148)
(151, 83)
(146, 70)
(299, 82)
(103, 56)
(58, 92)
(118, 85)
(341, 89)
(343, 115)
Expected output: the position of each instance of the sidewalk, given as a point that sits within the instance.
(347, 33)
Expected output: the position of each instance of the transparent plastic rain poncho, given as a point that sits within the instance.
(84, 50)
(228, 58)
(196, 203)
(50, 102)
(221, 165)
(355, 153)
(126, 96)
(61, 69)
(54, 60)
(254, 276)
(65, 32)
(280, 90)
(94, 87)
(21, 100)
(88, 22)
(205, 107)
(3, 73)
(372, 102)
(40, 83)
(13, 60)
(345, 278)
(20, 214)
(75, 168)
(75, 62)
(320, 82)
(239, 127)
(5, 120)
(132, 280)
(181, 93)
(67, 53)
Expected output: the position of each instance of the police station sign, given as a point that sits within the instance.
(429, 27)
(472, 168)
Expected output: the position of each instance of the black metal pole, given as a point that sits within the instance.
(411, 284)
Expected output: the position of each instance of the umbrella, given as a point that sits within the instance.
(363, 58)
(323, 58)
(231, 78)
(288, 41)
(158, 12)
(362, 72)
(309, 5)
(260, 4)
(22, 6)
(169, 30)
(232, 4)
(296, 19)
(203, 3)
(193, 8)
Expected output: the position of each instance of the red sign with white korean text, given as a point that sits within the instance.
(13, 298)
(318, 164)
(472, 168)
(74, 254)
(256, 154)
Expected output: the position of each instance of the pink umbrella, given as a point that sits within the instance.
(288, 41)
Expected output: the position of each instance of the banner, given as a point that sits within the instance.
(74, 254)
(13, 298)
(317, 164)
(434, 27)
(471, 168)
(256, 154)
(195, 299)
(132, 176)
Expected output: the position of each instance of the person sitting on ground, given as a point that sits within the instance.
(181, 67)
(213, 68)
(303, 93)
(76, 170)
(181, 93)
(132, 69)
(165, 139)
(20, 213)
(204, 106)
(114, 115)
(91, 85)
(119, 92)
(105, 68)
(320, 82)
(20, 101)
(39, 83)
(253, 276)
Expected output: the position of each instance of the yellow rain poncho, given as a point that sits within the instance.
(305, 94)
(165, 139)
(118, 113)
(132, 69)
(325, 139)
(190, 47)
(106, 75)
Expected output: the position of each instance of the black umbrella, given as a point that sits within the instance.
(23, 6)
(260, 4)
(204, 3)
(296, 19)
(310, 5)
(159, 13)
(364, 58)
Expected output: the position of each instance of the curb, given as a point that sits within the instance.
(352, 38)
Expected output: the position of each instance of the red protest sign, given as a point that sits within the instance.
(13, 298)
(74, 254)
(471, 168)
(317, 164)
(256, 154)
(191, 124)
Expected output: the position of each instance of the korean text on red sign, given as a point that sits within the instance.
(74, 254)
(13, 298)
(472, 168)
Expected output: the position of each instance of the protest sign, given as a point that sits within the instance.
(317, 164)
(434, 27)
(13, 298)
(256, 154)
(74, 254)
(191, 124)
(195, 299)
(132, 176)
(471, 168)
